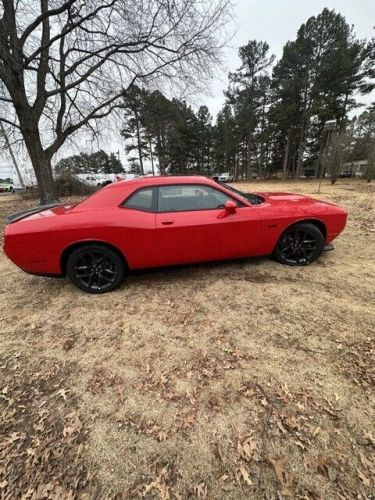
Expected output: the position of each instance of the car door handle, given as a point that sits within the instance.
(167, 222)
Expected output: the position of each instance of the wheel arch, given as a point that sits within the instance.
(73, 246)
(316, 222)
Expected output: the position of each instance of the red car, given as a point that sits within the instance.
(161, 221)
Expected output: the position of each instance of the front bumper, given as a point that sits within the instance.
(329, 247)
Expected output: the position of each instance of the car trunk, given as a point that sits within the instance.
(30, 211)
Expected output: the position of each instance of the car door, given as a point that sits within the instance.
(136, 227)
(192, 225)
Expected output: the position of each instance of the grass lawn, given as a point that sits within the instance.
(232, 380)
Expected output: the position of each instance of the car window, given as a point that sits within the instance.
(141, 200)
(186, 197)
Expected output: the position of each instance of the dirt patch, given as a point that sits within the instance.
(242, 379)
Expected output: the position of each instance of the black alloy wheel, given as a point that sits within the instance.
(300, 245)
(95, 268)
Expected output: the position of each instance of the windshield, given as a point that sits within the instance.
(253, 198)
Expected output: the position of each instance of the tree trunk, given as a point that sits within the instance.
(301, 145)
(41, 163)
(320, 157)
(286, 157)
(43, 173)
(139, 145)
(248, 169)
(343, 114)
(152, 158)
(236, 163)
(10, 149)
(160, 153)
(302, 136)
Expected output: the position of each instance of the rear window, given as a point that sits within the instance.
(141, 200)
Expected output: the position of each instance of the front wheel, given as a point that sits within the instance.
(95, 268)
(299, 245)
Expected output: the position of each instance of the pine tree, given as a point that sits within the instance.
(314, 81)
(132, 132)
(246, 94)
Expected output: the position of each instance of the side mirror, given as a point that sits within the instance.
(230, 207)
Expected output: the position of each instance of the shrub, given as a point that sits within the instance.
(66, 185)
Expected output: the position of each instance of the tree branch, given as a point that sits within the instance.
(10, 123)
(43, 16)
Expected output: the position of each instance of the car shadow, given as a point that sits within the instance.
(234, 270)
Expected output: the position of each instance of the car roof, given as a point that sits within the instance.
(114, 194)
(161, 180)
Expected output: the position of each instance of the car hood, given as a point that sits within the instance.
(283, 198)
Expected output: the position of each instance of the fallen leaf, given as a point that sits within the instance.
(315, 431)
(162, 436)
(301, 445)
(201, 490)
(62, 393)
(188, 421)
(363, 478)
(248, 448)
(74, 425)
(245, 474)
(367, 463)
(281, 427)
(370, 438)
(332, 473)
(285, 479)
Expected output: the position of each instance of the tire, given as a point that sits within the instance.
(95, 269)
(299, 245)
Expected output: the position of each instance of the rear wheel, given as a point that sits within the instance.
(299, 245)
(95, 268)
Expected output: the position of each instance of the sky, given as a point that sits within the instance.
(276, 22)
(273, 21)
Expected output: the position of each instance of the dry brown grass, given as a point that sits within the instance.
(236, 380)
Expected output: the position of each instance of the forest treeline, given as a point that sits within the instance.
(274, 114)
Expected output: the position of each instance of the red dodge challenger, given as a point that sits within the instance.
(161, 221)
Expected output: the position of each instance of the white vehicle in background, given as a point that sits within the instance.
(225, 177)
(90, 179)
(97, 180)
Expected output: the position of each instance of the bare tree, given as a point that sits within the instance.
(65, 64)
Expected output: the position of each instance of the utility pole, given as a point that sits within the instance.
(9, 146)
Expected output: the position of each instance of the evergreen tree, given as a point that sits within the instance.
(247, 91)
(98, 162)
(132, 131)
(314, 81)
